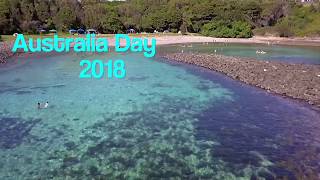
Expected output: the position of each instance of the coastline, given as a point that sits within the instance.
(297, 81)
(253, 40)
(183, 39)
(162, 39)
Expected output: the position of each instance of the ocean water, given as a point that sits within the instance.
(164, 120)
(282, 53)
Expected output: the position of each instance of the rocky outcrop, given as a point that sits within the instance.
(273, 14)
(5, 52)
(298, 81)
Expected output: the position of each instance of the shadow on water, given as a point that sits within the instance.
(261, 130)
(146, 144)
(26, 89)
(14, 130)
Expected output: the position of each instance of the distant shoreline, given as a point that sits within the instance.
(184, 39)
(163, 39)
(167, 40)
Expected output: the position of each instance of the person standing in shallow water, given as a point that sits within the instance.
(45, 106)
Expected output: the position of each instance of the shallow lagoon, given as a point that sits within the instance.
(164, 120)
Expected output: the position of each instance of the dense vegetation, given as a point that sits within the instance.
(223, 29)
(232, 18)
(300, 21)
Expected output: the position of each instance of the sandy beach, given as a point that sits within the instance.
(184, 39)
(258, 40)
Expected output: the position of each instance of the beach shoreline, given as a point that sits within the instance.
(167, 40)
(187, 39)
(297, 81)
(162, 39)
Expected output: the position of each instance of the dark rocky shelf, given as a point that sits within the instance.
(298, 81)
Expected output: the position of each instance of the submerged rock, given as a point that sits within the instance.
(69, 161)
(14, 130)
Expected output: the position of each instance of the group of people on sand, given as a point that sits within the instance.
(43, 106)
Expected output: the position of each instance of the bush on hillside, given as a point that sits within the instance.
(303, 21)
(284, 28)
(183, 28)
(221, 29)
(266, 31)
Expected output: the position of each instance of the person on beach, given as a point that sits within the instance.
(39, 105)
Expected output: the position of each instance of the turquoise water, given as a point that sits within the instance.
(292, 54)
(164, 120)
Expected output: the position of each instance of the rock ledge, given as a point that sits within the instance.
(297, 81)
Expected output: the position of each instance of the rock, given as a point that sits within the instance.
(278, 77)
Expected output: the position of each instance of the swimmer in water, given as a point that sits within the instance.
(46, 105)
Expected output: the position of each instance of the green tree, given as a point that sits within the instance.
(242, 29)
(42, 10)
(284, 28)
(28, 21)
(111, 24)
(66, 16)
(93, 13)
(4, 15)
(222, 29)
(232, 18)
